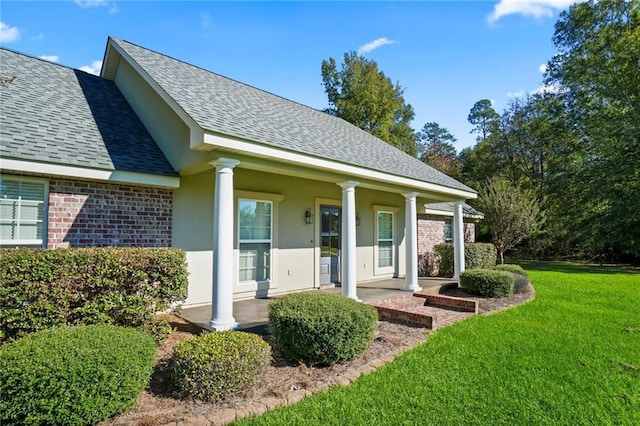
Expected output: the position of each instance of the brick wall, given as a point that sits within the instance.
(431, 232)
(83, 214)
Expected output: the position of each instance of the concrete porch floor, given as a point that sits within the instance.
(252, 314)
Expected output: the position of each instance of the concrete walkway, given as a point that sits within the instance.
(252, 314)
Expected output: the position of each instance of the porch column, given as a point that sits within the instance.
(411, 243)
(458, 240)
(222, 298)
(348, 243)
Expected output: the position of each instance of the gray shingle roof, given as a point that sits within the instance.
(219, 104)
(54, 114)
(467, 210)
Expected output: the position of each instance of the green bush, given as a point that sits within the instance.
(476, 256)
(212, 366)
(123, 286)
(73, 375)
(488, 282)
(521, 276)
(322, 329)
(515, 269)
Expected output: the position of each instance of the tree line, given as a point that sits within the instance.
(565, 160)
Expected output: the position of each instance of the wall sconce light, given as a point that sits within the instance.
(308, 217)
(357, 219)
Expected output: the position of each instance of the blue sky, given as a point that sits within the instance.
(447, 55)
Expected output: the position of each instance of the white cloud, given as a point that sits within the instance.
(86, 4)
(542, 68)
(8, 33)
(534, 8)
(205, 20)
(548, 88)
(50, 58)
(39, 37)
(518, 94)
(375, 44)
(94, 68)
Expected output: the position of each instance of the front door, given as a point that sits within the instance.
(329, 244)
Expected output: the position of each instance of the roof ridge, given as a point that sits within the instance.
(57, 64)
(225, 77)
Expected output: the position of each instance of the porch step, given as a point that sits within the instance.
(424, 310)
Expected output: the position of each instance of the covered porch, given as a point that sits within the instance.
(252, 314)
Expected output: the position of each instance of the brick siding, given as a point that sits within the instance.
(84, 214)
(431, 232)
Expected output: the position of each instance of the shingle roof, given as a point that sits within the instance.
(222, 105)
(54, 114)
(467, 210)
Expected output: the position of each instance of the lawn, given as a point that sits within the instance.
(570, 357)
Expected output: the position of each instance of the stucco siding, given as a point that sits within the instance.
(294, 248)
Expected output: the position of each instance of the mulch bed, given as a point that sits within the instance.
(285, 381)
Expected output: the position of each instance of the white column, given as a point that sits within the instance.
(223, 225)
(458, 240)
(411, 242)
(348, 243)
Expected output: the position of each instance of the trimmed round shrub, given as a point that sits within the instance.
(321, 329)
(476, 256)
(521, 276)
(73, 375)
(212, 366)
(514, 269)
(488, 282)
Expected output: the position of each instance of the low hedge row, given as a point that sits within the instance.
(521, 276)
(488, 282)
(476, 256)
(41, 288)
(321, 329)
(73, 375)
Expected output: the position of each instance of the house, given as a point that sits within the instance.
(435, 226)
(265, 195)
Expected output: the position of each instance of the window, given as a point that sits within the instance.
(22, 211)
(448, 230)
(254, 239)
(385, 239)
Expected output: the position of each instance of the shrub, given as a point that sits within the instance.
(428, 264)
(521, 276)
(212, 366)
(73, 375)
(515, 269)
(321, 329)
(488, 282)
(476, 256)
(123, 286)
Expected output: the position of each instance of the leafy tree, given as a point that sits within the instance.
(435, 147)
(597, 69)
(511, 213)
(483, 117)
(361, 94)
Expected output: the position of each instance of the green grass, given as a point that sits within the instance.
(571, 357)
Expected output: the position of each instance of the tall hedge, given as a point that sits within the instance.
(123, 286)
(476, 256)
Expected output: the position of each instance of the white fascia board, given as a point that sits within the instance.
(115, 176)
(323, 164)
(450, 214)
(196, 132)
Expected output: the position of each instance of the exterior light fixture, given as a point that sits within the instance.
(308, 217)
(357, 219)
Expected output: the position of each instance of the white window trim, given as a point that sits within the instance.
(255, 285)
(387, 270)
(444, 230)
(45, 214)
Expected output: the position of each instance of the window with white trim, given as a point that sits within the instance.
(22, 211)
(448, 230)
(254, 239)
(384, 235)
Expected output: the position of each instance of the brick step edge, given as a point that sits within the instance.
(403, 317)
(457, 303)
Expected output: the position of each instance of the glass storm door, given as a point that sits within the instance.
(329, 245)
